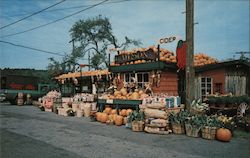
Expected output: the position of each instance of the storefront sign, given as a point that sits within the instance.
(167, 40)
(139, 55)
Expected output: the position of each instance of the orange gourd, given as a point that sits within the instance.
(223, 134)
(128, 112)
(118, 120)
(108, 110)
(104, 117)
(123, 112)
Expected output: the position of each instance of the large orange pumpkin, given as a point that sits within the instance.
(104, 117)
(118, 120)
(123, 112)
(113, 111)
(98, 116)
(223, 134)
(108, 110)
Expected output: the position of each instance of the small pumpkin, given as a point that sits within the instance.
(98, 116)
(123, 91)
(135, 96)
(113, 111)
(128, 112)
(108, 110)
(224, 134)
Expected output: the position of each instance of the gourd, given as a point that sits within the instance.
(223, 134)
(107, 110)
(123, 112)
(123, 91)
(128, 112)
(118, 120)
(104, 117)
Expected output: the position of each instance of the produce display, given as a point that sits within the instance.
(49, 98)
(165, 55)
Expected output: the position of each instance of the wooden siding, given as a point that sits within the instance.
(168, 83)
(236, 85)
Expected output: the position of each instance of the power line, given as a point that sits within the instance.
(32, 14)
(27, 47)
(34, 28)
(74, 7)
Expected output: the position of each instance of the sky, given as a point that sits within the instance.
(222, 29)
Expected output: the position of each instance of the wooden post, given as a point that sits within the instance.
(190, 53)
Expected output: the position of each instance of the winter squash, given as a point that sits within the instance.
(118, 120)
(123, 112)
(98, 116)
(223, 134)
(104, 117)
(123, 91)
(128, 112)
(135, 95)
(108, 110)
(113, 111)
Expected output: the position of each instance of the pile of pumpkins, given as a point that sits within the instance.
(200, 59)
(113, 116)
(123, 94)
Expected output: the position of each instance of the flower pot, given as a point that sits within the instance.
(178, 128)
(192, 131)
(208, 132)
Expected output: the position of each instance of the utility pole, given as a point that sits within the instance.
(190, 74)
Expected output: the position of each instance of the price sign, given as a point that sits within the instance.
(109, 101)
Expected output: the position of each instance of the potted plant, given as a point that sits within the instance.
(210, 127)
(194, 124)
(177, 120)
(136, 120)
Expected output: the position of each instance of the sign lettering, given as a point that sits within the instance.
(167, 40)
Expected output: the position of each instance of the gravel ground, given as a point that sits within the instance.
(30, 133)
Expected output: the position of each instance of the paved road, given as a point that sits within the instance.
(27, 132)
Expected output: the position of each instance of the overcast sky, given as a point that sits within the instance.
(222, 29)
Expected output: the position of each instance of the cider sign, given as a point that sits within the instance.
(167, 40)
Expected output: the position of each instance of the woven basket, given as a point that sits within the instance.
(197, 112)
(208, 132)
(137, 126)
(192, 131)
(178, 128)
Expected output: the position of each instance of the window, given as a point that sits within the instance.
(142, 78)
(206, 86)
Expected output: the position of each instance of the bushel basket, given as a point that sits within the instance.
(178, 128)
(192, 131)
(208, 132)
(137, 126)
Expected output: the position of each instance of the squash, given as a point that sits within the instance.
(98, 116)
(123, 91)
(128, 111)
(135, 96)
(104, 117)
(108, 110)
(113, 111)
(223, 134)
(118, 120)
(123, 112)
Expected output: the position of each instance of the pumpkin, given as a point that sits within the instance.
(113, 111)
(118, 120)
(108, 110)
(223, 134)
(123, 112)
(104, 117)
(123, 91)
(141, 92)
(116, 93)
(114, 116)
(135, 96)
(98, 116)
(128, 111)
